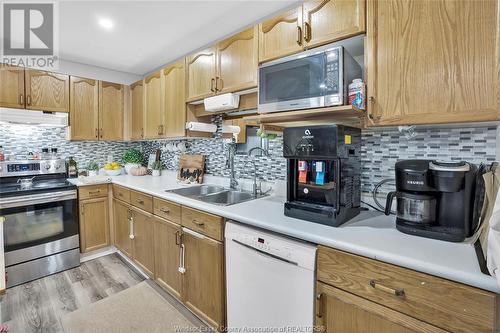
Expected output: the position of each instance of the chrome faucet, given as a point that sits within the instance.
(256, 188)
(233, 183)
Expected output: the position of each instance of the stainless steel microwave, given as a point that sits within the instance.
(311, 79)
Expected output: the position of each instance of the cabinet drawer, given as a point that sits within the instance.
(168, 210)
(204, 223)
(142, 201)
(121, 193)
(93, 191)
(443, 303)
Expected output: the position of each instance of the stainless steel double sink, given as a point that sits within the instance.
(215, 194)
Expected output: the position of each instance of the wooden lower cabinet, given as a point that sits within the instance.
(338, 311)
(167, 253)
(121, 223)
(142, 243)
(94, 224)
(203, 280)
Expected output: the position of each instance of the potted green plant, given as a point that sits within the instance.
(92, 168)
(156, 166)
(132, 158)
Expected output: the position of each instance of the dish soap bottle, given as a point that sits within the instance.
(72, 168)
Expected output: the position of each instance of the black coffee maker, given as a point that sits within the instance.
(434, 199)
(324, 169)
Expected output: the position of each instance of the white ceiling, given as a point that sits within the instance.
(148, 34)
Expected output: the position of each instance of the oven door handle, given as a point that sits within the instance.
(34, 199)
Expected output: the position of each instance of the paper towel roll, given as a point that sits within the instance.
(201, 127)
(231, 129)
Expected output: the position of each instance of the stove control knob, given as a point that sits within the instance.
(47, 166)
(57, 166)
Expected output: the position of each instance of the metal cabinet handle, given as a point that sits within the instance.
(177, 238)
(140, 201)
(28, 100)
(21, 99)
(198, 223)
(94, 192)
(319, 305)
(299, 35)
(212, 82)
(399, 292)
(96, 133)
(142, 132)
(307, 32)
(101, 133)
(120, 194)
(217, 80)
(164, 210)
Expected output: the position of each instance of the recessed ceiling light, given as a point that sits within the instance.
(106, 23)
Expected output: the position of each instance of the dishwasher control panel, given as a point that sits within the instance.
(300, 253)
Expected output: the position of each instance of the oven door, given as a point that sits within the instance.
(39, 225)
(297, 83)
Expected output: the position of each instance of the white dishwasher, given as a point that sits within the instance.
(269, 281)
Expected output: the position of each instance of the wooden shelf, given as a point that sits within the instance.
(341, 114)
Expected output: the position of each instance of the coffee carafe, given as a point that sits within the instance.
(434, 199)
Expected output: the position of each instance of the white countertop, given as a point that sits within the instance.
(371, 234)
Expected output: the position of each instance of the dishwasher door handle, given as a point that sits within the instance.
(265, 253)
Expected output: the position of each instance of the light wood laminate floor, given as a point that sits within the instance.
(37, 306)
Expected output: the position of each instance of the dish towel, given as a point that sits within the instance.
(493, 257)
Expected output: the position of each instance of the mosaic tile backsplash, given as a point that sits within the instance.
(381, 148)
(22, 139)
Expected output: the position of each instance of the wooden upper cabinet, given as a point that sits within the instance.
(326, 21)
(153, 117)
(425, 64)
(281, 35)
(201, 73)
(137, 103)
(11, 87)
(46, 91)
(174, 98)
(110, 111)
(237, 61)
(338, 311)
(84, 109)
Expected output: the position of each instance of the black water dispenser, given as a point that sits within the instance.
(324, 173)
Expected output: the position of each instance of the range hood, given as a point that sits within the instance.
(32, 117)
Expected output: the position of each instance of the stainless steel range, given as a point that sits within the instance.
(41, 219)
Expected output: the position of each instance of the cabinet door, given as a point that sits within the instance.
(424, 66)
(142, 244)
(201, 74)
(94, 224)
(174, 93)
(137, 96)
(11, 87)
(122, 227)
(153, 106)
(166, 253)
(281, 35)
(84, 109)
(237, 61)
(46, 91)
(338, 311)
(110, 111)
(203, 281)
(326, 21)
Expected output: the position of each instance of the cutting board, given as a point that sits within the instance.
(191, 166)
